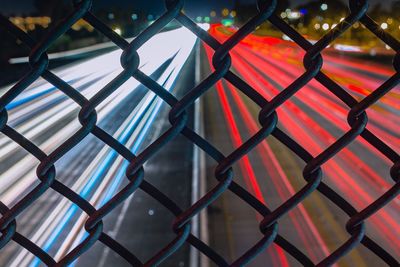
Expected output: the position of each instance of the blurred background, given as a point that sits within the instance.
(311, 18)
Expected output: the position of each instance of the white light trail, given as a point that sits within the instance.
(154, 53)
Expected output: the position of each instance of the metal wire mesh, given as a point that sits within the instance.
(178, 117)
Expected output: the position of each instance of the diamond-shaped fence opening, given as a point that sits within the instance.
(241, 64)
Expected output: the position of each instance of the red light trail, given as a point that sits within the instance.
(315, 118)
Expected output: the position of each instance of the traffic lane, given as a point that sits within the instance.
(299, 174)
(64, 117)
(70, 118)
(334, 129)
(283, 71)
(365, 75)
(145, 225)
(309, 225)
(43, 117)
(92, 69)
(71, 167)
(367, 190)
(318, 114)
(75, 162)
(367, 179)
(174, 68)
(274, 51)
(233, 224)
(106, 187)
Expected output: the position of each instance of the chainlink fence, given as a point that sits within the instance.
(178, 117)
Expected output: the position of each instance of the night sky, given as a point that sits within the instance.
(194, 7)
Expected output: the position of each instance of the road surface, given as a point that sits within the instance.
(135, 117)
(315, 118)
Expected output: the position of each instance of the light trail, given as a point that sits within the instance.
(140, 123)
(345, 182)
(275, 171)
(269, 65)
(347, 154)
(245, 165)
(264, 64)
(277, 176)
(292, 72)
(314, 104)
(306, 96)
(167, 79)
(26, 165)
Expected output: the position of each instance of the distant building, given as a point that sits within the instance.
(30, 23)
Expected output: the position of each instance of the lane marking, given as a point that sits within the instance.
(194, 253)
(200, 221)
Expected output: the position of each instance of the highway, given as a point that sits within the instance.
(132, 114)
(314, 118)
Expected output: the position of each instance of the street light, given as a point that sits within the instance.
(324, 7)
(294, 15)
(225, 12)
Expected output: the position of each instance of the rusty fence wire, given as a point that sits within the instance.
(178, 117)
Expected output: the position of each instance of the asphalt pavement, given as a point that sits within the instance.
(135, 117)
(314, 118)
(145, 225)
